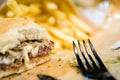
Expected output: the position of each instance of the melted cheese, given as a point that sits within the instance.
(26, 49)
(31, 48)
(26, 57)
(34, 51)
(6, 60)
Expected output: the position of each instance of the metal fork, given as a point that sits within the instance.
(2, 4)
(92, 67)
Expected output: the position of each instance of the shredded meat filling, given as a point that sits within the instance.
(42, 50)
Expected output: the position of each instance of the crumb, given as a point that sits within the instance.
(48, 66)
(59, 59)
(59, 64)
(9, 78)
(72, 62)
(25, 18)
(30, 73)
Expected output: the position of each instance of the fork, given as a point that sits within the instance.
(2, 4)
(91, 67)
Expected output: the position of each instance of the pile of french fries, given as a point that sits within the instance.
(62, 25)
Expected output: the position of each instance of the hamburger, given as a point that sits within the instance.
(23, 45)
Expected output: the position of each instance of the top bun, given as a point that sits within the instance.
(15, 30)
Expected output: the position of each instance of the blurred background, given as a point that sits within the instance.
(99, 11)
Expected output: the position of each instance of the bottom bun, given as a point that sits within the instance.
(34, 62)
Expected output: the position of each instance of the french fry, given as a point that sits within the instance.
(61, 35)
(14, 6)
(35, 9)
(80, 24)
(50, 6)
(64, 7)
(62, 24)
(24, 8)
(59, 15)
(78, 33)
(61, 18)
(67, 31)
(51, 20)
(10, 14)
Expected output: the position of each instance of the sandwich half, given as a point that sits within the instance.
(23, 45)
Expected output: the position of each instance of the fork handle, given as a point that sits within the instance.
(110, 78)
(107, 76)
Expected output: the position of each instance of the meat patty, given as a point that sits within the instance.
(44, 47)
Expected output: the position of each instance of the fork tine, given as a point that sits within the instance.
(95, 67)
(79, 61)
(86, 61)
(102, 66)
